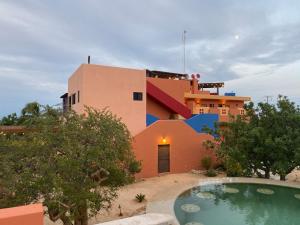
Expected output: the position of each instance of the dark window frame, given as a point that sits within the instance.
(137, 96)
(73, 99)
(78, 96)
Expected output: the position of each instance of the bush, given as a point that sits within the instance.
(135, 167)
(220, 167)
(233, 169)
(206, 162)
(140, 197)
(211, 173)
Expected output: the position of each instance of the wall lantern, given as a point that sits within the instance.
(164, 140)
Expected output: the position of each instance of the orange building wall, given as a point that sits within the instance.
(112, 87)
(22, 215)
(174, 88)
(156, 109)
(75, 84)
(186, 147)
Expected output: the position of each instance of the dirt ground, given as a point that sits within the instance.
(154, 188)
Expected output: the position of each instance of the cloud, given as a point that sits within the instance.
(283, 81)
(42, 43)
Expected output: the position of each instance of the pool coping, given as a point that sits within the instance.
(166, 206)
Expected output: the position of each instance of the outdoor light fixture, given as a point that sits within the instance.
(164, 140)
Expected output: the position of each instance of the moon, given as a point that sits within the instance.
(236, 37)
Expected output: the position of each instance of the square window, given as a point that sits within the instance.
(138, 96)
(201, 111)
(212, 105)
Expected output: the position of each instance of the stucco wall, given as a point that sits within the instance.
(174, 88)
(186, 147)
(156, 109)
(22, 215)
(75, 84)
(112, 87)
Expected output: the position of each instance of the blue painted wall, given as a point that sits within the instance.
(150, 119)
(198, 122)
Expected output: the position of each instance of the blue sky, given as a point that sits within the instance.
(253, 46)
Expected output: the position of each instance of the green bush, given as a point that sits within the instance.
(135, 167)
(211, 173)
(220, 167)
(140, 197)
(233, 169)
(206, 162)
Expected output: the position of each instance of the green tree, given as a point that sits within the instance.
(266, 140)
(286, 137)
(29, 113)
(73, 163)
(11, 119)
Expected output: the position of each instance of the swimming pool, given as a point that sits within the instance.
(238, 204)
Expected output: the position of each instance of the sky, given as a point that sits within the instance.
(252, 46)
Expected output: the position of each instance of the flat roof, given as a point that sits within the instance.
(211, 85)
(216, 97)
(166, 75)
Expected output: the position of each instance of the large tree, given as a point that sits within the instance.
(9, 120)
(73, 163)
(266, 140)
(30, 111)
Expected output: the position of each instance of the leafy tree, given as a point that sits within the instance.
(266, 139)
(11, 119)
(30, 112)
(286, 137)
(73, 163)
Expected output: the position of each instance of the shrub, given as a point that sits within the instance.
(140, 197)
(135, 167)
(220, 167)
(211, 173)
(233, 169)
(206, 162)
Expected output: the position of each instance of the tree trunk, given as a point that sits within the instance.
(267, 173)
(82, 218)
(282, 177)
(66, 220)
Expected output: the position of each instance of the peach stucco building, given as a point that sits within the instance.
(165, 112)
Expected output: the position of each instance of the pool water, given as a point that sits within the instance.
(238, 204)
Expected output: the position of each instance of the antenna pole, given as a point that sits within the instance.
(183, 39)
(268, 97)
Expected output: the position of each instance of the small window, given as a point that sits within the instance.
(242, 112)
(224, 112)
(78, 98)
(204, 105)
(138, 96)
(70, 101)
(73, 99)
(220, 105)
(212, 105)
(201, 111)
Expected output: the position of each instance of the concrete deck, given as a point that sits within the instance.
(164, 202)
